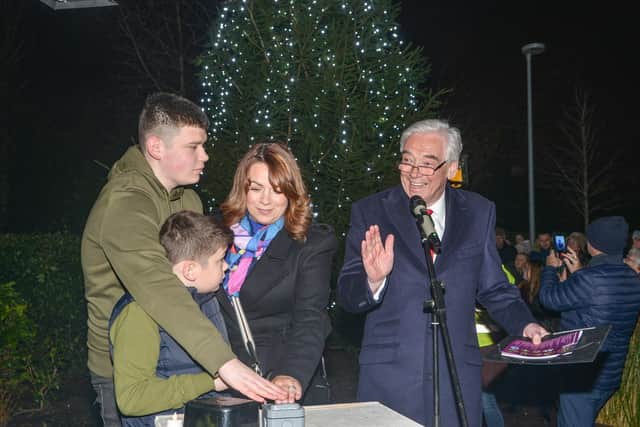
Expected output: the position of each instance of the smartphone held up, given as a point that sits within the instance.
(559, 243)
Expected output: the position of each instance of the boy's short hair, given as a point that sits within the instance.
(164, 112)
(188, 235)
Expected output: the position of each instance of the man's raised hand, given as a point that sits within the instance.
(377, 258)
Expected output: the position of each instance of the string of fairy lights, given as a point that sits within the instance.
(332, 78)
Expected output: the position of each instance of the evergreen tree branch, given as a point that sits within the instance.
(257, 30)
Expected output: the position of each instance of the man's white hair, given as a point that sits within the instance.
(451, 134)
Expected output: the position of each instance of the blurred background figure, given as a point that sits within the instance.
(633, 259)
(578, 242)
(539, 395)
(523, 247)
(542, 248)
(635, 239)
(505, 250)
(521, 263)
(529, 287)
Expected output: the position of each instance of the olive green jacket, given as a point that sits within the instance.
(121, 249)
(136, 349)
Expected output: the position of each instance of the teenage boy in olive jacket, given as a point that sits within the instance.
(120, 249)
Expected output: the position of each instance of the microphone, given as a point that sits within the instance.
(425, 222)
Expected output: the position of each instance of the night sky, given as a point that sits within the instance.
(70, 115)
(475, 48)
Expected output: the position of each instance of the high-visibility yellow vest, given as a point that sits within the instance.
(483, 332)
(510, 277)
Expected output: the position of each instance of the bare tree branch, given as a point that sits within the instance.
(582, 173)
(162, 39)
(126, 28)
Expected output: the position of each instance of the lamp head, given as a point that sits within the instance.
(533, 49)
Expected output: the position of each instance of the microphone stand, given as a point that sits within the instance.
(436, 307)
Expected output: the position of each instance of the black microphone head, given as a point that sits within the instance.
(417, 205)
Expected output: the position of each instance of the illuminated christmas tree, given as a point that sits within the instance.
(331, 78)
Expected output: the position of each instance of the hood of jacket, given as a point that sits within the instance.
(133, 162)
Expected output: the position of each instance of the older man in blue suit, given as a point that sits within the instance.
(385, 276)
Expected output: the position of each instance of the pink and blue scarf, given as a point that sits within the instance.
(249, 243)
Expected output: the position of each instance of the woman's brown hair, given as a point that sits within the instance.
(530, 287)
(284, 176)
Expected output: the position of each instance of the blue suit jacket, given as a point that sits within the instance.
(606, 292)
(396, 355)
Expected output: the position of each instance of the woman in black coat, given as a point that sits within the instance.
(280, 268)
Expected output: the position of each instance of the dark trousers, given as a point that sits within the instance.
(106, 400)
(581, 409)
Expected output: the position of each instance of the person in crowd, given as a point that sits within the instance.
(523, 247)
(521, 264)
(605, 292)
(488, 335)
(538, 394)
(578, 242)
(152, 374)
(385, 276)
(280, 268)
(635, 239)
(120, 249)
(506, 252)
(529, 289)
(542, 248)
(633, 259)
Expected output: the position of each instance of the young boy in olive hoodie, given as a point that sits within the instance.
(120, 249)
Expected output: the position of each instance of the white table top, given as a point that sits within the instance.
(361, 414)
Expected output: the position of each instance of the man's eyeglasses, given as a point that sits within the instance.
(424, 170)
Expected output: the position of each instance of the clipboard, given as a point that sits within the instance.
(585, 351)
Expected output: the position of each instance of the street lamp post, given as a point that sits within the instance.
(529, 50)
